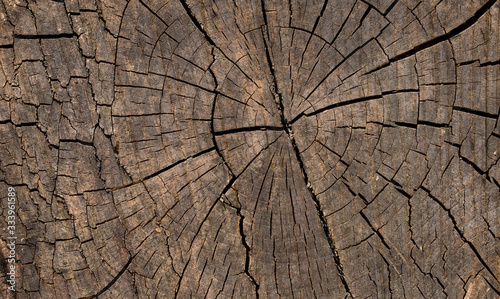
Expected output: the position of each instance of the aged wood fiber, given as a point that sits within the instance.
(251, 148)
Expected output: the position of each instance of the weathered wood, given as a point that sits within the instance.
(251, 149)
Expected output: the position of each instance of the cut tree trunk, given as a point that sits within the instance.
(251, 149)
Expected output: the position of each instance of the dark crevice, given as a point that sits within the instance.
(496, 182)
(376, 231)
(489, 63)
(195, 22)
(400, 190)
(491, 286)
(476, 168)
(44, 36)
(209, 39)
(76, 141)
(442, 286)
(440, 84)
(325, 3)
(388, 273)
(481, 172)
(248, 129)
(467, 62)
(177, 289)
(112, 282)
(410, 221)
(358, 243)
(343, 24)
(476, 112)
(431, 124)
(432, 276)
(489, 228)
(363, 17)
(288, 129)
(336, 105)
(388, 10)
(212, 115)
(164, 169)
(307, 31)
(337, 66)
(407, 125)
(141, 115)
(247, 252)
(384, 65)
(399, 91)
(138, 86)
(363, 198)
(373, 7)
(460, 233)
(457, 30)
(27, 124)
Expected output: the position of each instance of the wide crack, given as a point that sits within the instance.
(287, 127)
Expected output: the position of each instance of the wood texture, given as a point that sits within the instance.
(252, 149)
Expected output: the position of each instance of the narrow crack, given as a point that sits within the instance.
(209, 39)
(491, 286)
(178, 288)
(388, 272)
(441, 38)
(336, 105)
(164, 169)
(376, 231)
(460, 233)
(112, 282)
(247, 252)
(241, 217)
(212, 114)
(325, 3)
(432, 276)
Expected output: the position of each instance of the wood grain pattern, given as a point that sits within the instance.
(252, 149)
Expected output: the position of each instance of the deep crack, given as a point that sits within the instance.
(288, 129)
(247, 252)
(112, 282)
(460, 233)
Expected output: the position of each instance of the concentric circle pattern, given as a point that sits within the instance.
(267, 149)
(310, 138)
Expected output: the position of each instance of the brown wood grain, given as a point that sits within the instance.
(251, 149)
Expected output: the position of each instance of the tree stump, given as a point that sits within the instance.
(251, 149)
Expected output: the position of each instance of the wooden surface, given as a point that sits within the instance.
(252, 149)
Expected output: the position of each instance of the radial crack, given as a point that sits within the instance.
(112, 282)
(288, 129)
(164, 169)
(247, 252)
(460, 233)
(248, 129)
(209, 39)
(438, 39)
